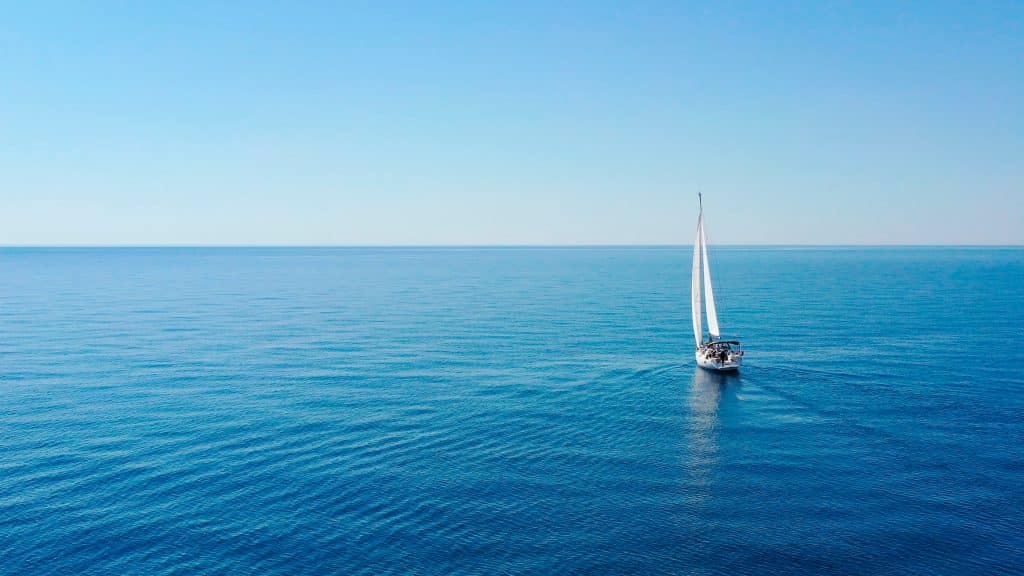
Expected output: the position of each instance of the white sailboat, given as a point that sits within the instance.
(712, 353)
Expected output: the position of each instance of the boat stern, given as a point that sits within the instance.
(719, 356)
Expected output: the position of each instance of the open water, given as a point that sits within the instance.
(509, 411)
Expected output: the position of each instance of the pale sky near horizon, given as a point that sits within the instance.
(520, 123)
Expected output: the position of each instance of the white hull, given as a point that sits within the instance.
(716, 364)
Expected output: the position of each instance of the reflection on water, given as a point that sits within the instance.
(707, 388)
(708, 391)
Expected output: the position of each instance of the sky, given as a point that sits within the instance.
(378, 123)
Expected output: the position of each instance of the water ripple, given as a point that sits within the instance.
(316, 411)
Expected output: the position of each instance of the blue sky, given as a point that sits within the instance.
(518, 123)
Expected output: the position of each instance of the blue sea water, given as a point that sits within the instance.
(509, 411)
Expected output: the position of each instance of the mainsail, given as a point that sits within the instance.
(709, 295)
(698, 330)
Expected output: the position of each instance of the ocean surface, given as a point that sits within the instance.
(292, 411)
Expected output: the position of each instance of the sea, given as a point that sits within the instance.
(449, 411)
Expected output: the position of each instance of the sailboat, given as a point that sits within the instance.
(712, 353)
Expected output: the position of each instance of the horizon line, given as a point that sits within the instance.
(522, 245)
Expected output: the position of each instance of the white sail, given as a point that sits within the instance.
(698, 330)
(709, 295)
